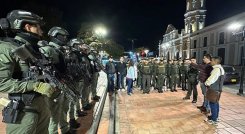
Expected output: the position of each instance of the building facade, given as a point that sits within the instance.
(195, 39)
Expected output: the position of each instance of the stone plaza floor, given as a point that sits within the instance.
(168, 113)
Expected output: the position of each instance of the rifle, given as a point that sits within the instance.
(77, 70)
(48, 73)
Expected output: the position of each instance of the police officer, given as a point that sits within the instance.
(53, 52)
(93, 56)
(86, 82)
(154, 65)
(76, 70)
(180, 61)
(30, 95)
(161, 75)
(184, 68)
(146, 70)
(174, 74)
(168, 71)
(192, 82)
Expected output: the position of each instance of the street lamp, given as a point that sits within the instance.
(235, 27)
(101, 32)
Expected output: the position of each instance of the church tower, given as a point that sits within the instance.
(195, 15)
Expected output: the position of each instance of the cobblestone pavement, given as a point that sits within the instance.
(167, 113)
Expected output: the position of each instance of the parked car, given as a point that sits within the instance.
(231, 75)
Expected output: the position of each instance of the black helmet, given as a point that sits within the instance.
(58, 35)
(74, 42)
(54, 31)
(17, 18)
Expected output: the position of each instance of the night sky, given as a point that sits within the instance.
(144, 20)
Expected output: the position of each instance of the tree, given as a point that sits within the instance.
(113, 48)
(87, 33)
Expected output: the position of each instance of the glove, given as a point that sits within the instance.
(43, 88)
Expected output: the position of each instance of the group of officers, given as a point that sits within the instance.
(162, 75)
(31, 69)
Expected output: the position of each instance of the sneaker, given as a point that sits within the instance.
(208, 121)
(201, 107)
(218, 120)
(123, 90)
(194, 101)
(129, 94)
(215, 123)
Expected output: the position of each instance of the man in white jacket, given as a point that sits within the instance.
(215, 82)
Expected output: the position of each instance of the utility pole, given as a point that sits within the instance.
(132, 42)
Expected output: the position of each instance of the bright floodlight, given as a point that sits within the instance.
(235, 26)
(101, 31)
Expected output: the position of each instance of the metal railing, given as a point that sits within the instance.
(98, 112)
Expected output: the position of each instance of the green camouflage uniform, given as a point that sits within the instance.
(146, 77)
(161, 76)
(183, 71)
(139, 78)
(174, 74)
(168, 77)
(52, 52)
(35, 119)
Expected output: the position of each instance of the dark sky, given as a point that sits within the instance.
(144, 20)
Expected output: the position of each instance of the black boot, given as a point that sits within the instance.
(71, 132)
(81, 113)
(87, 107)
(74, 124)
(96, 98)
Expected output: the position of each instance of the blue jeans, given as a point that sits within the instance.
(130, 85)
(111, 82)
(214, 110)
(120, 81)
(205, 101)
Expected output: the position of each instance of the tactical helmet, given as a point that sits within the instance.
(54, 31)
(42, 43)
(58, 35)
(17, 18)
(74, 42)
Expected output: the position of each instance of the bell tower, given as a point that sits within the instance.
(195, 15)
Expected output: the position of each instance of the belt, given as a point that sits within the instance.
(27, 98)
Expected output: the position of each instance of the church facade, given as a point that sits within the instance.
(196, 39)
